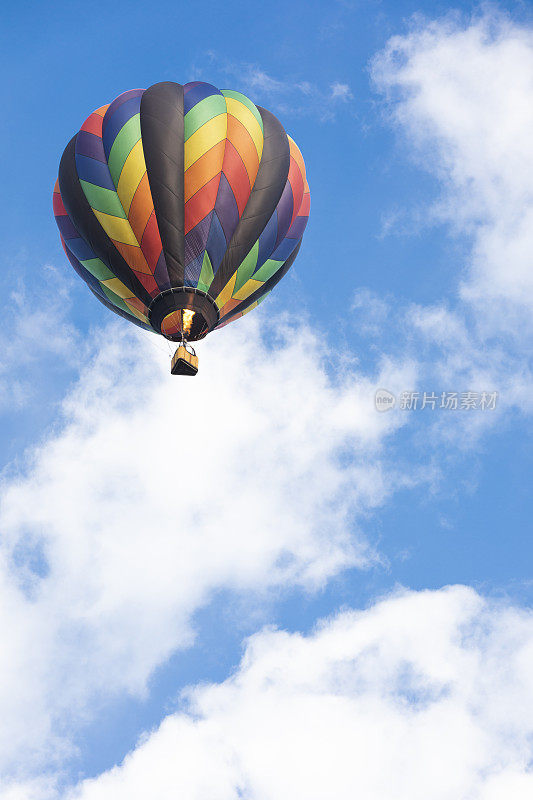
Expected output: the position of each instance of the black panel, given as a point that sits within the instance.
(266, 287)
(162, 131)
(266, 192)
(88, 226)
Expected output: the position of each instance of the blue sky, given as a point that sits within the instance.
(413, 275)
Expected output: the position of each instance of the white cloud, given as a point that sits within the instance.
(424, 695)
(153, 492)
(462, 94)
(341, 91)
(35, 333)
(289, 96)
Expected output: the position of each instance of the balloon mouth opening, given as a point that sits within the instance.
(183, 314)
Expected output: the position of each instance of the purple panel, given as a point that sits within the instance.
(297, 228)
(66, 227)
(90, 145)
(284, 208)
(188, 86)
(123, 98)
(196, 239)
(161, 273)
(226, 208)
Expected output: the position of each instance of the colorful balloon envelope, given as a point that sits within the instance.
(181, 207)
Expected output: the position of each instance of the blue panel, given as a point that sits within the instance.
(192, 271)
(267, 240)
(216, 243)
(93, 171)
(283, 250)
(197, 93)
(114, 122)
(80, 249)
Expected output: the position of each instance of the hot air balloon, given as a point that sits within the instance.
(181, 207)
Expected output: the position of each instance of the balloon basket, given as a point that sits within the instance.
(184, 361)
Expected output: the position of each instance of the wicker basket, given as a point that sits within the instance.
(184, 362)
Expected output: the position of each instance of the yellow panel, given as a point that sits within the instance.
(226, 292)
(118, 287)
(204, 138)
(131, 175)
(136, 312)
(244, 115)
(250, 308)
(246, 290)
(116, 228)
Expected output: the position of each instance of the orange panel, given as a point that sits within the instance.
(134, 257)
(229, 306)
(243, 143)
(134, 302)
(203, 170)
(295, 153)
(141, 207)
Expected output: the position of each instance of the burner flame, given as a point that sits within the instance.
(187, 318)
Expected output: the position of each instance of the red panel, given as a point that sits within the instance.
(93, 124)
(201, 203)
(59, 207)
(305, 208)
(297, 185)
(237, 176)
(151, 242)
(148, 282)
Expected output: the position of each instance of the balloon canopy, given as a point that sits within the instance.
(181, 207)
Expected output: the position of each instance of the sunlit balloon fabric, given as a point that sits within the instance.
(181, 198)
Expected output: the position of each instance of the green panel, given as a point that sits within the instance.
(97, 268)
(101, 199)
(206, 275)
(117, 301)
(268, 269)
(127, 138)
(246, 268)
(245, 101)
(202, 112)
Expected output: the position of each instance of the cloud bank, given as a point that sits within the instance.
(460, 93)
(152, 493)
(425, 694)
